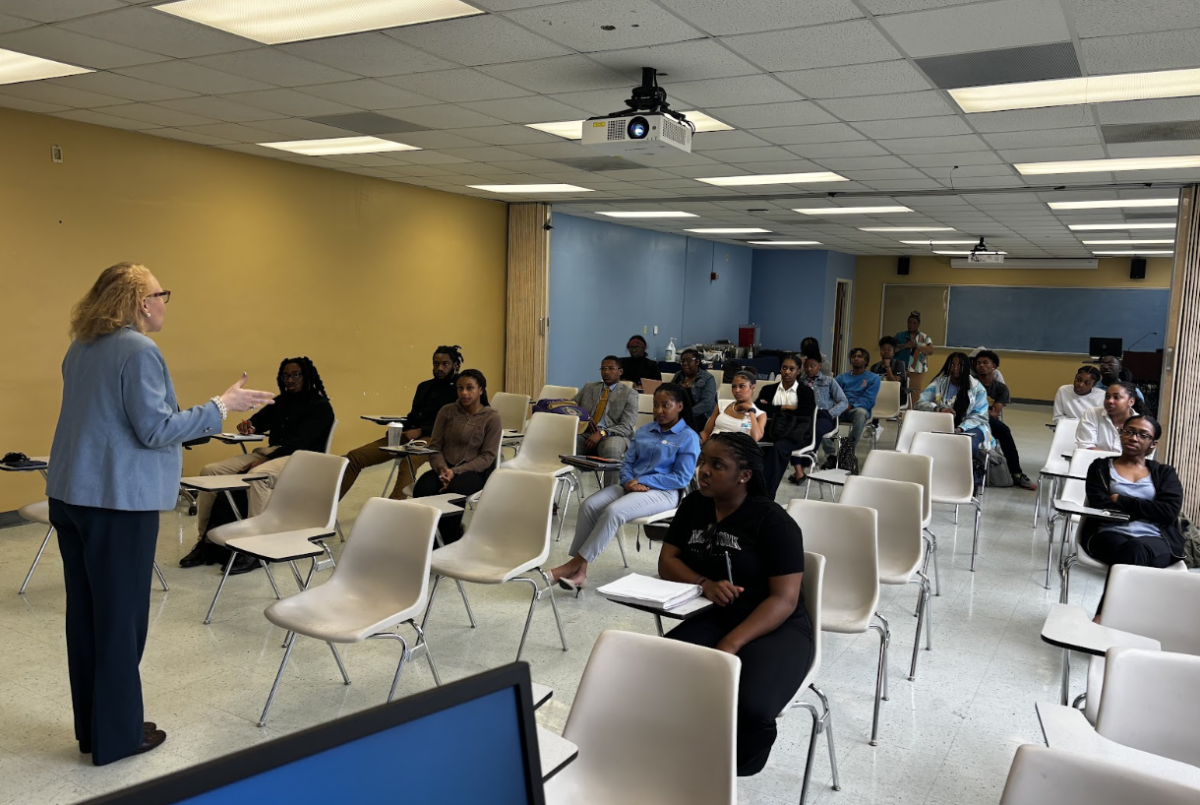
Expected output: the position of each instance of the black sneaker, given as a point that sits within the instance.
(199, 555)
(244, 564)
(1024, 481)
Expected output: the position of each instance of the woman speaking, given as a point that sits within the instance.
(115, 464)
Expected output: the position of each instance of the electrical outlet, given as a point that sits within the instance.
(643, 329)
(56, 154)
(656, 329)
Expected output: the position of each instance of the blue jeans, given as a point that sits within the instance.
(976, 443)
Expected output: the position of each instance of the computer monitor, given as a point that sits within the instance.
(1099, 347)
(468, 741)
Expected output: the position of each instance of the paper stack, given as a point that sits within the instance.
(650, 592)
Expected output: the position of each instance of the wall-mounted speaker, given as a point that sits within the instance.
(1137, 268)
(902, 264)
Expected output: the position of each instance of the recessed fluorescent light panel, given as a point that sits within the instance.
(1069, 91)
(1102, 227)
(340, 145)
(730, 230)
(1114, 205)
(273, 22)
(529, 189)
(965, 254)
(1132, 252)
(851, 210)
(17, 67)
(1126, 242)
(1103, 165)
(774, 178)
(784, 242)
(907, 229)
(573, 129)
(940, 242)
(650, 214)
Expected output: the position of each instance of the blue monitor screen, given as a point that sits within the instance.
(470, 753)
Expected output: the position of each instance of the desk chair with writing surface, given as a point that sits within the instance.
(1043, 776)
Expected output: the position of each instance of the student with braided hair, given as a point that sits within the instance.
(300, 419)
(747, 555)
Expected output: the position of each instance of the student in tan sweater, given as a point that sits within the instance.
(466, 435)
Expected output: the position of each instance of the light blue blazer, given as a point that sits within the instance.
(118, 444)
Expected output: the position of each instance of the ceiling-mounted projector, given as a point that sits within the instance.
(646, 128)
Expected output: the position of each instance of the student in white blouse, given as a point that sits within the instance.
(741, 415)
(1099, 428)
(789, 405)
(1076, 399)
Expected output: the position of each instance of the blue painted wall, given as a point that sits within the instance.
(788, 296)
(713, 309)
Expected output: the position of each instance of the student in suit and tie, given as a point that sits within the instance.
(614, 409)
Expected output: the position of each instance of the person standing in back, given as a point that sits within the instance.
(915, 349)
(115, 464)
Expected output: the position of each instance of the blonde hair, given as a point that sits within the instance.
(113, 302)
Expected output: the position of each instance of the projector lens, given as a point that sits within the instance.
(638, 128)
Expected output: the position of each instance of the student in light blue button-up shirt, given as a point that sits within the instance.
(657, 468)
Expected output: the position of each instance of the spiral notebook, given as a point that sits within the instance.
(649, 591)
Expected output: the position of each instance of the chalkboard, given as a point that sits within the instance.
(1054, 319)
(900, 299)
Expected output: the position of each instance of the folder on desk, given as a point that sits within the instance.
(648, 591)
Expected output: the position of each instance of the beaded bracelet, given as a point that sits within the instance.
(221, 407)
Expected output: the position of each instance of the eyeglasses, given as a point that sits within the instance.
(688, 360)
(291, 375)
(1140, 435)
(166, 296)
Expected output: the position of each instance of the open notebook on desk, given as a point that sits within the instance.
(648, 591)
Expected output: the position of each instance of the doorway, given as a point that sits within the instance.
(841, 327)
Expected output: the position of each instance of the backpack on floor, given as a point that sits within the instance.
(1191, 543)
(847, 459)
(997, 469)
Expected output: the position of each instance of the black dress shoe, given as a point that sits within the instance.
(148, 727)
(199, 555)
(243, 564)
(152, 739)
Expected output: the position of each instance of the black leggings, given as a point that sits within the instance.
(466, 483)
(1114, 548)
(773, 666)
(1004, 438)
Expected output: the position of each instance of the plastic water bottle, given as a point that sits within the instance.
(747, 423)
(671, 351)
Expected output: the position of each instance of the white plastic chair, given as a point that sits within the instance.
(809, 451)
(846, 537)
(645, 403)
(514, 414)
(953, 474)
(1062, 444)
(303, 506)
(649, 386)
(813, 589)
(508, 537)
(654, 721)
(919, 470)
(381, 582)
(667, 377)
(329, 438)
(549, 392)
(1073, 491)
(1041, 776)
(547, 437)
(887, 408)
(1149, 702)
(915, 422)
(725, 391)
(901, 543)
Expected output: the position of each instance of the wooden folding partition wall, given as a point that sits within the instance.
(1179, 401)
(528, 321)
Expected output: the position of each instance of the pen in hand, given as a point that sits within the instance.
(728, 568)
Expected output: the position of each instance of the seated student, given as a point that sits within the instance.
(300, 419)
(809, 346)
(1111, 372)
(698, 383)
(1149, 492)
(831, 401)
(656, 470)
(970, 409)
(466, 435)
(861, 387)
(789, 406)
(1100, 428)
(747, 555)
(431, 397)
(1078, 398)
(637, 366)
(998, 396)
(613, 408)
(975, 353)
(741, 414)
(889, 367)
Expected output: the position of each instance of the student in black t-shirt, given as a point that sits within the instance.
(759, 615)
(986, 363)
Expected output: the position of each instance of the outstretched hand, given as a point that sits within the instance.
(238, 398)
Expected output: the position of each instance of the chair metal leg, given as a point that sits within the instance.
(956, 515)
(161, 578)
(528, 617)
(221, 586)
(262, 720)
(932, 553)
(562, 509)
(405, 656)
(621, 545)
(822, 723)
(296, 575)
(658, 624)
(828, 727)
(881, 675)
(1037, 503)
(975, 541)
(429, 603)
(553, 605)
(812, 747)
(923, 619)
(1065, 694)
(423, 643)
(466, 603)
(38, 558)
(337, 525)
(271, 578)
(340, 664)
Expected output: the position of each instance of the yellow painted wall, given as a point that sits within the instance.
(1029, 376)
(266, 259)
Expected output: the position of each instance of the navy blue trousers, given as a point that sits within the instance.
(107, 559)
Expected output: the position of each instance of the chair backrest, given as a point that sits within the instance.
(725, 391)
(1044, 776)
(898, 503)
(846, 537)
(1062, 444)
(887, 401)
(1081, 459)
(628, 383)
(547, 436)
(638, 692)
(953, 475)
(667, 377)
(549, 392)
(37, 512)
(1149, 702)
(329, 438)
(387, 555)
(644, 419)
(512, 517)
(650, 386)
(903, 467)
(306, 492)
(645, 403)
(812, 590)
(920, 421)
(1154, 602)
(513, 410)
(812, 443)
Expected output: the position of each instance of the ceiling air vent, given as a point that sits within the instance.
(1004, 66)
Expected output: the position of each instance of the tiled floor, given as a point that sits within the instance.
(948, 737)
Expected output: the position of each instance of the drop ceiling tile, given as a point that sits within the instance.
(102, 119)
(455, 86)
(8, 23)
(799, 135)
(1165, 50)
(430, 158)
(484, 39)
(294, 128)
(438, 139)
(1179, 148)
(58, 10)
(793, 113)
(887, 107)
(290, 102)
(859, 148)
(903, 184)
(234, 132)
(599, 101)
(218, 108)
(72, 48)
(581, 25)
(718, 18)
(189, 136)
(1053, 155)
(742, 90)
(1109, 17)
(939, 126)
(193, 77)
(871, 176)
(712, 140)
(979, 26)
(533, 109)
(26, 105)
(561, 74)
(759, 154)
(998, 181)
(936, 145)
(484, 153)
(273, 67)
(371, 54)
(860, 79)
(964, 172)
(443, 116)
(367, 93)
(59, 95)
(862, 163)
(685, 61)
(120, 86)
(163, 33)
(507, 135)
(853, 42)
(882, 7)
(1032, 119)
(158, 115)
(1156, 111)
(1087, 135)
